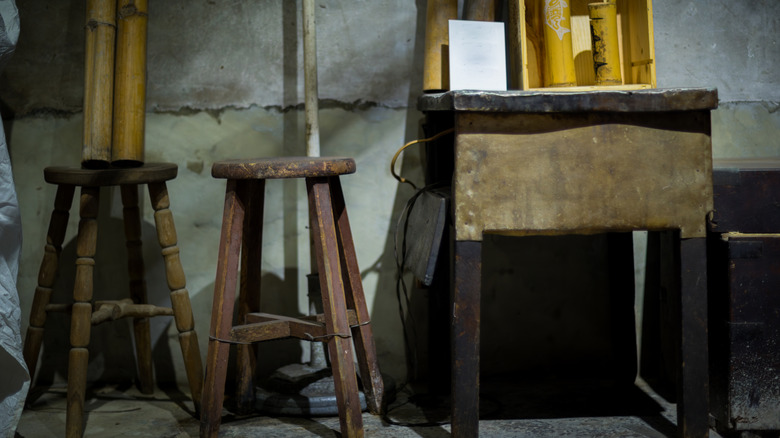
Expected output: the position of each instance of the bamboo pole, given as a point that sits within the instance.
(436, 72)
(311, 91)
(479, 10)
(130, 84)
(606, 51)
(98, 83)
(516, 42)
(559, 71)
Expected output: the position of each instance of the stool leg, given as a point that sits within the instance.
(693, 385)
(81, 315)
(222, 311)
(135, 268)
(180, 297)
(252, 191)
(48, 271)
(334, 305)
(373, 386)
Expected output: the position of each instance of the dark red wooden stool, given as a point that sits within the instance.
(345, 314)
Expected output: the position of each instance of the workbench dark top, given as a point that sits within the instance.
(541, 101)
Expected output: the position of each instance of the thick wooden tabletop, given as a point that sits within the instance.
(145, 174)
(541, 101)
(283, 167)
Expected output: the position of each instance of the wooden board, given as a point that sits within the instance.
(582, 173)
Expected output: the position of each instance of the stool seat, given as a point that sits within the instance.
(148, 173)
(283, 167)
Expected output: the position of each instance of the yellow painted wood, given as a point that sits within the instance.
(624, 87)
(100, 33)
(436, 72)
(606, 50)
(130, 83)
(636, 47)
(559, 55)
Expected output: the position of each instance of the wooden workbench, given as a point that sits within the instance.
(549, 163)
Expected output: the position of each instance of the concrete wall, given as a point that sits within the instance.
(225, 81)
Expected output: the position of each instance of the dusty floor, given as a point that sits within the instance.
(573, 409)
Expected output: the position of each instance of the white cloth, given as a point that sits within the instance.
(14, 378)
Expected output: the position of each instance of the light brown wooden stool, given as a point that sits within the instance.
(345, 314)
(85, 312)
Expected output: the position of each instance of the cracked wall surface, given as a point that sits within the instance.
(225, 80)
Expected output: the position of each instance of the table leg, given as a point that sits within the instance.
(693, 384)
(465, 314)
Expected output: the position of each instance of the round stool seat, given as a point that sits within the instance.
(145, 174)
(283, 167)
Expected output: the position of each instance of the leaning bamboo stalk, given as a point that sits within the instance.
(436, 74)
(130, 83)
(311, 96)
(98, 83)
(479, 10)
(516, 42)
(311, 92)
(606, 51)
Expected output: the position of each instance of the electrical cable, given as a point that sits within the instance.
(402, 291)
(398, 153)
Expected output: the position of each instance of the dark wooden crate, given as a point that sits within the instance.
(744, 297)
(747, 196)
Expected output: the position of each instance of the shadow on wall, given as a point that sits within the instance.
(391, 313)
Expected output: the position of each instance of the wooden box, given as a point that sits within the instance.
(747, 196)
(744, 303)
(744, 331)
(636, 45)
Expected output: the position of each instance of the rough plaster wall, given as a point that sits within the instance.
(217, 54)
(225, 81)
(735, 47)
(241, 61)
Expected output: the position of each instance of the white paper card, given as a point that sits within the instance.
(477, 55)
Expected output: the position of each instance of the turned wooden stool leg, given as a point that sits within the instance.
(180, 297)
(373, 386)
(135, 267)
(46, 275)
(334, 305)
(81, 315)
(249, 290)
(222, 311)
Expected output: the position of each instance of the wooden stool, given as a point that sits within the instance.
(342, 291)
(84, 311)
